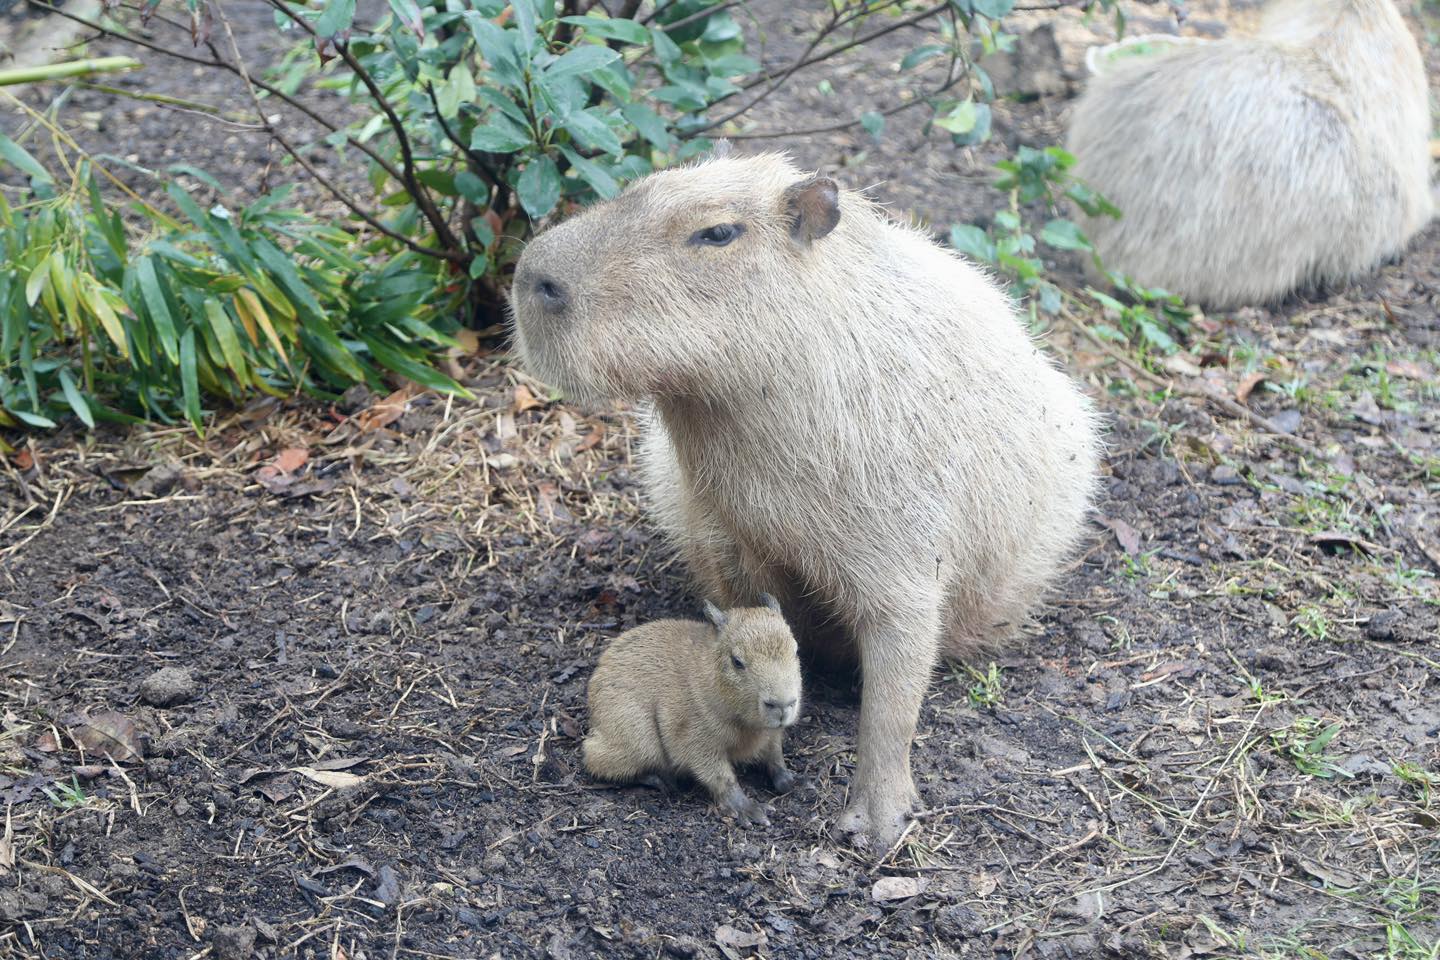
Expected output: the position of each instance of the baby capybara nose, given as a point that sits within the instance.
(552, 296)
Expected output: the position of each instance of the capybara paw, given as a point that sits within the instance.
(656, 781)
(745, 810)
(875, 823)
(782, 780)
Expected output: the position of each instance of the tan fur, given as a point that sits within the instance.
(844, 414)
(1252, 167)
(667, 698)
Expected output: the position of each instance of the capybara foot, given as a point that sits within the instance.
(744, 809)
(876, 818)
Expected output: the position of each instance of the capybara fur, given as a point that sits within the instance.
(843, 414)
(1249, 168)
(685, 697)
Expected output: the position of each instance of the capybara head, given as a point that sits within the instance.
(655, 291)
(758, 663)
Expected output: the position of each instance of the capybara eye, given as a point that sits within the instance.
(739, 664)
(718, 235)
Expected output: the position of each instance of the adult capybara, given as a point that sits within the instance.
(685, 697)
(1248, 168)
(845, 415)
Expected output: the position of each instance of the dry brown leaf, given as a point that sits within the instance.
(46, 742)
(1248, 385)
(24, 460)
(887, 889)
(591, 438)
(7, 844)
(291, 459)
(336, 779)
(1405, 368)
(524, 399)
(469, 341)
(387, 411)
(984, 883)
(108, 733)
(1127, 536)
(732, 938)
(1181, 364)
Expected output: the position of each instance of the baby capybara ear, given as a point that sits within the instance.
(770, 602)
(715, 615)
(813, 208)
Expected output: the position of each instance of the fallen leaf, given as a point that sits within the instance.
(525, 400)
(277, 791)
(550, 503)
(731, 938)
(108, 733)
(7, 845)
(512, 752)
(24, 459)
(469, 341)
(1331, 540)
(1405, 368)
(336, 779)
(46, 742)
(386, 411)
(887, 889)
(591, 438)
(1242, 392)
(1181, 364)
(291, 459)
(354, 863)
(1127, 536)
(984, 883)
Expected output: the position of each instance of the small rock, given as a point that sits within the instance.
(684, 948)
(1383, 626)
(167, 687)
(958, 922)
(234, 943)
(1224, 475)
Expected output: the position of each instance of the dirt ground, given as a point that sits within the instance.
(313, 686)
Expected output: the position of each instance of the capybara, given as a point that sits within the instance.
(685, 697)
(1248, 168)
(844, 414)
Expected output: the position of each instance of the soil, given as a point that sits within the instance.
(313, 686)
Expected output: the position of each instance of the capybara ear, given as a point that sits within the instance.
(721, 150)
(770, 602)
(813, 207)
(715, 615)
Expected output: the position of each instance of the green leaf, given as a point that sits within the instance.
(191, 170)
(409, 15)
(592, 132)
(994, 9)
(972, 241)
(649, 123)
(224, 331)
(189, 380)
(665, 49)
(338, 16)
(959, 120)
(157, 306)
(472, 188)
(392, 359)
(539, 187)
(919, 55)
(495, 46)
(15, 155)
(580, 61)
(75, 399)
(34, 419)
(592, 173)
(1064, 235)
(500, 135)
(874, 123)
(36, 281)
(525, 19)
(626, 31)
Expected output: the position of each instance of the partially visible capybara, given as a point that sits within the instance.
(1248, 168)
(684, 697)
(845, 415)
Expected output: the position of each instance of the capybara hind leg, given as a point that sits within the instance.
(608, 762)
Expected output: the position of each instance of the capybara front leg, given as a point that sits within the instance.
(896, 660)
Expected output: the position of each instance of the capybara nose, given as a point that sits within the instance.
(552, 296)
(780, 712)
